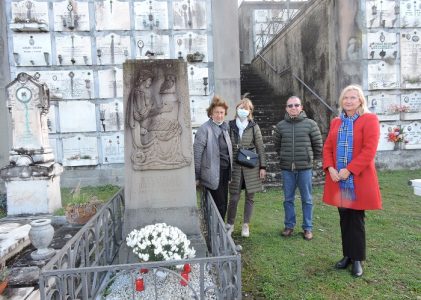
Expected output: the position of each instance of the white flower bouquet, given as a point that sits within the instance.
(160, 242)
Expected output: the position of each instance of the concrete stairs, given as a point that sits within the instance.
(269, 109)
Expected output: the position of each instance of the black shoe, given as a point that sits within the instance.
(343, 263)
(357, 268)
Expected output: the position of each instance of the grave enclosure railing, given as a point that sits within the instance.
(83, 268)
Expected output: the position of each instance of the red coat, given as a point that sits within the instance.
(366, 185)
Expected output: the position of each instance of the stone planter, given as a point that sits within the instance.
(41, 234)
(80, 214)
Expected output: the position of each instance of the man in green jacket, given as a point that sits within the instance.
(298, 142)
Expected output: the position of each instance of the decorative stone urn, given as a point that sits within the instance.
(41, 234)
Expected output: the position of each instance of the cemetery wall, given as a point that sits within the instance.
(372, 43)
(77, 48)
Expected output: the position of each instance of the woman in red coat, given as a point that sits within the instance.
(351, 178)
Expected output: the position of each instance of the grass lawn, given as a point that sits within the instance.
(292, 268)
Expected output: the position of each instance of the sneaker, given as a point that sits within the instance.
(287, 232)
(245, 232)
(308, 235)
(229, 228)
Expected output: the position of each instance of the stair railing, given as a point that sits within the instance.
(288, 70)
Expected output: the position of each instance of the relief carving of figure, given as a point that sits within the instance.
(153, 120)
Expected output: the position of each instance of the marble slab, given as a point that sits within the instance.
(382, 76)
(151, 15)
(189, 14)
(75, 84)
(410, 13)
(112, 49)
(51, 119)
(77, 116)
(384, 143)
(152, 42)
(73, 16)
(382, 45)
(30, 12)
(381, 13)
(113, 148)
(412, 100)
(13, 238)
(189, 43)
(53, 145)
(109, 15)
(198, 113)
(411, 59)
(385, 106)
(111, 83)
(412, 132)
(111, 116)
(32, 49)
(80, 150)
(196, 81)
(73, 50)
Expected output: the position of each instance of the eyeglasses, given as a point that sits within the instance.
(292, 105)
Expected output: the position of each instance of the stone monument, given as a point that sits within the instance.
(32, 178)
(159, 168)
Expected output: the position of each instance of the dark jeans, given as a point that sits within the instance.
(353, 233)
(220, 195)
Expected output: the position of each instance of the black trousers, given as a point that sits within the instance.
(353, 233)
(220, 195)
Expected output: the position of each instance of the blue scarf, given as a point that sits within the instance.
(344, 151)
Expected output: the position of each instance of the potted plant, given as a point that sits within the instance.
(4, 278)
(81, 207)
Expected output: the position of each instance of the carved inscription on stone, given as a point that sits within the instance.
(112, 15)
(149, 42)
(198, 106)
(25, 12)
(385, 129)
(77, 116)
(386, 106)
(111, 116)
(410, 13)
(189, 43)
(32, 49)
(412, 133)
(113, 148)
(189, 14)
(411, 59)
(71, 16)
(151, 15)
(73, 50)
(382, 45)
(111, 83)
(80, 150)
(156, 116)
(198, 80)
(382, 76)
(382, 13)
(112, 49)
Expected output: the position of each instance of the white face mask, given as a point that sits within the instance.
(242, 113)
(218, 123)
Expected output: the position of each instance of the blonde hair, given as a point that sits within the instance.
(247, 103)
(363, 109)
(216, 101)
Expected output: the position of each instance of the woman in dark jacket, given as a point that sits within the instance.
(245, 133)
(213, 154)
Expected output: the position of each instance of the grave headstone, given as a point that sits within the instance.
(32, 177)
(159, 168)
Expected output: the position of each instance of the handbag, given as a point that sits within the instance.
(247, 158)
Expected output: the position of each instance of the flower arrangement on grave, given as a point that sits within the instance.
(396, 135)
(399, 108)
(4, 277)
(160, 242)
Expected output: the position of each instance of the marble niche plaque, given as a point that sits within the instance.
(29, 16)
(111, 116)
(412, 132)
(77, 116)
(73, 84)
(112, 15)
(189, 14)
(382, 13)
(385, 106)
(410, 13)
(111, 83)
(198, 85)
(382, 45)
(411, 59)
(80, 150)
(382, 76)
(71, 16)
(112, 49)
(51, 119)
(151, 15)
(53, 145)
(413, 102)
(113, 148)
(32, 49)
(189, 43)
(152, 42)
(198, 106)
(73, 50)
(384, 143)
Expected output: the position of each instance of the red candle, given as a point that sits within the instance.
(187, 268)
(140, 285)
(143, 270)
(185, 276)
